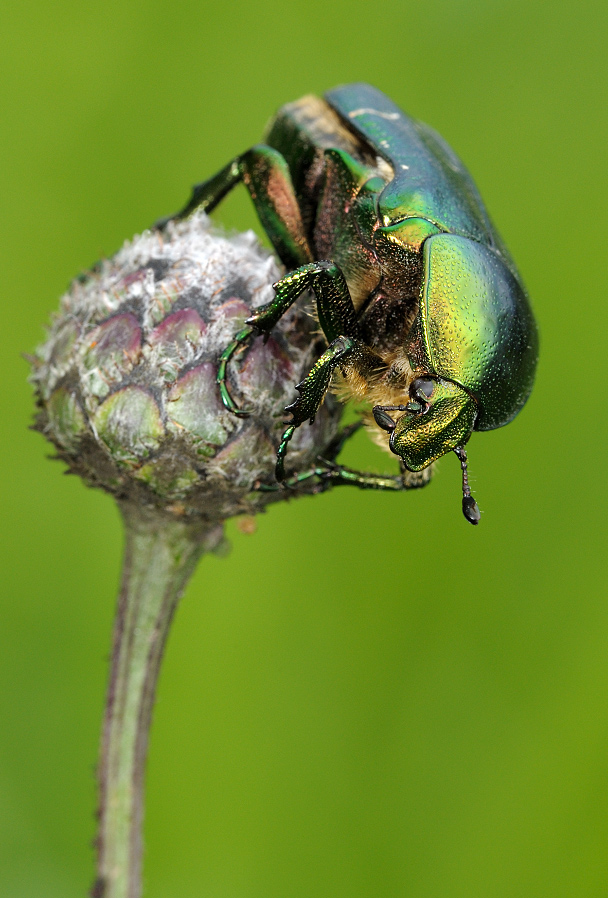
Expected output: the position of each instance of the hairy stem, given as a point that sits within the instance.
(161, 553)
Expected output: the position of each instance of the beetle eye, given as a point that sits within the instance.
(422, 389)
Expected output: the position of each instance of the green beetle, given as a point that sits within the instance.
(421, 304)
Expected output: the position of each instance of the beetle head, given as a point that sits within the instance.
(438, 419)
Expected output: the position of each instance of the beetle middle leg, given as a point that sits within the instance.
(335, 307)
(335, 310)
(345, 352)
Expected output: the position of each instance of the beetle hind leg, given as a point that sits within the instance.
(265, 174)
(207, 194)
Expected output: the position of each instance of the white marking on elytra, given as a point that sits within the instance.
(405, 167)
(390, 116)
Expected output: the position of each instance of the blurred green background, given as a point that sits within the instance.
(368, 697)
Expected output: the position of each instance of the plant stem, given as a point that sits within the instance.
(161, 553)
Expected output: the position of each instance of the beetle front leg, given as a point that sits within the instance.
(342, 352)
(337, 475)
(265, 174)
(409, 480)
(329, 475)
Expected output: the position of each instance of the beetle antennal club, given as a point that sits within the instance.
(470, 508)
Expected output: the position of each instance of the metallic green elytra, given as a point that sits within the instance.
(421, 305)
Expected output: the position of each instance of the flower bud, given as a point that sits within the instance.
(126, 380)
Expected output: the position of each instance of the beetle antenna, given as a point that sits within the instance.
(383, 419)
(470, 508)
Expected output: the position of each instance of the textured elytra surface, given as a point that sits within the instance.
(126, 380)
